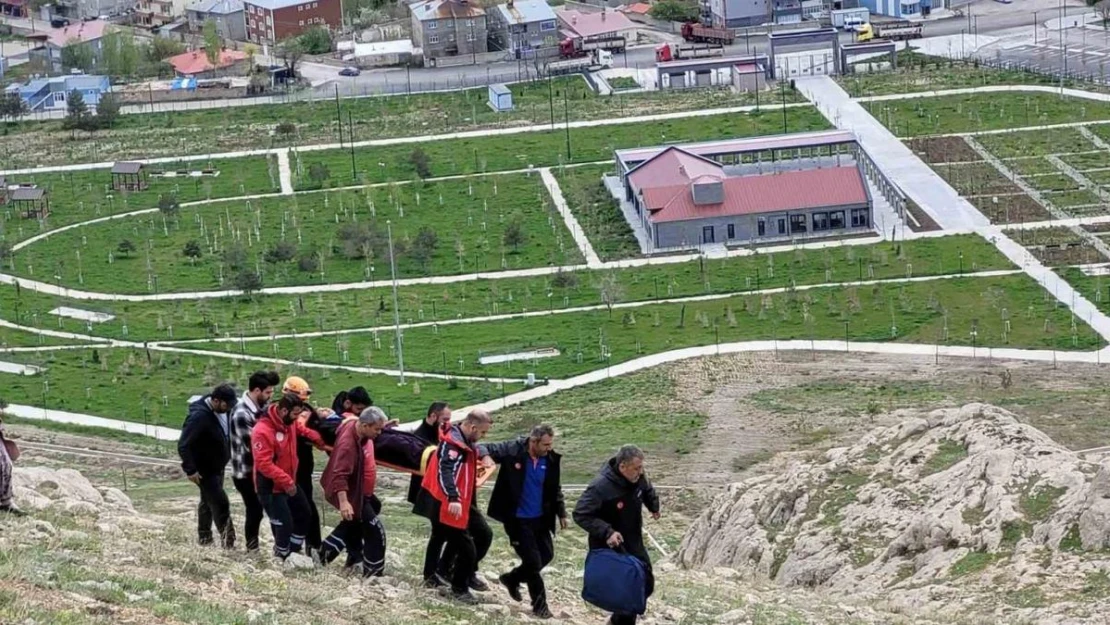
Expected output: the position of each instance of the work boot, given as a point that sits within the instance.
(464, 596)
(477, 583)
(542, 612)
(12, 510)
(511, 586)
(435, 581)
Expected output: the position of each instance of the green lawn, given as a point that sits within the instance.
(87, 194)
(914, 312)
(1030, 165)
(207, 131)
(983, 111)
(266, 314)
(542, 148)
(345, 231)
(597, 211)
(1036, 143)
(152, 387)
(10, 337)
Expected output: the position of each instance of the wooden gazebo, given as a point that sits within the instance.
(31, 202)
(129, 176)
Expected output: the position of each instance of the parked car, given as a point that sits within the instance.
(350, 71)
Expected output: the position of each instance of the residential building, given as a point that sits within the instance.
(157, 13)
(15, 8)
(739, 13)
(787, 11)
(896, 8)
(227, 14)
(77, 10)
(753, 190)
(270, 21)
(524, 25)
(449, 28)
(52, 40)
(196, 64)
(51, 94)
(576, 24)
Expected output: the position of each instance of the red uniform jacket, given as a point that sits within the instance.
(275, 450)
(450, 476)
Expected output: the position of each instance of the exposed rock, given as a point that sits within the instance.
(948, 493)
(299, 561)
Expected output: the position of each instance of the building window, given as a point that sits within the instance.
(469, 23)
(861, 218)
(450, 37)
(797, 224)
(731, 231)
(432, 25)
(836, 220)
(820, 221)
(470, 36)
(707, 234)
(782, 225)
(300, 7)
(761, 227)
(433, 38)
(301, 23)
(315, 4)
(269, 19)
(548, 25)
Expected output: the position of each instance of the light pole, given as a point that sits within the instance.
(396, 311)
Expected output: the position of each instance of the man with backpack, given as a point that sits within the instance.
(260, 388)
(205, 449)
(610, 510)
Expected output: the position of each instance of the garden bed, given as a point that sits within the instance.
(1009, 209)
(1036, 142)
(943, 149)
(597, 211)
(973, 179)
(985, 111)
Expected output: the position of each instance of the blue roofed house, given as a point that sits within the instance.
(524, 25)
(50, 94)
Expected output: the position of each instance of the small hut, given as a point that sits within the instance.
(129, 176)
(31, 202)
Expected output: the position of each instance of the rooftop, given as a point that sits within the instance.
(218, 7)
(81, 31)
(672, 166)
(81, 82)
(352, 50)
(274, 5)
(633, 156)
(638, 8)
(526, 11)
(767, 193)
(445, 10)
(196, 61)
(127, 167)
(582, 24)
(27, 194)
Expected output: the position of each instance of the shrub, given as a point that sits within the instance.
(283, 251)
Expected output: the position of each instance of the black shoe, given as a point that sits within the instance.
(542, 612)
(12, 510)
(435, 581)
(514, 589)
(477, 583)
(464, 597)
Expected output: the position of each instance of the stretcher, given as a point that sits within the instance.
(408, 453)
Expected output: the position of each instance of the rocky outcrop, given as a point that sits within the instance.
(953, 494)
(39, 488)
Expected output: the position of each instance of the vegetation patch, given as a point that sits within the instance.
(1038, 502)
(973, 562)
(949, 452)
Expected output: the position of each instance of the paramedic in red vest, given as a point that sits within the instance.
(611, 512)
(435, 420)
(527, 499)
(349, 480)
(274, 439)
(447, 499)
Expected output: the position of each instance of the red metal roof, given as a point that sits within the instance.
(638, 8)
(196, 62)
(748, 195)
(672, 166)
(590, 24)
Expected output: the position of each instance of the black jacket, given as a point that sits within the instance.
(507, 490)
(204, 447)
(613, 504)
(429, 434)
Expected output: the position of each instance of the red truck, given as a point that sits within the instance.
(705, 34)
(682, 52)
(575, 47)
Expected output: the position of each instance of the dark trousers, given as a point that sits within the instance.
(245, 486)
(444, 551)
(649, 583)
(214, 506)
(288, 518)
(531, 539)
(465, 554)
(312, 528)
(363, 538)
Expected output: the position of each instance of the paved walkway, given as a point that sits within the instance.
(934, 195)
(576, 232)
(284, 172)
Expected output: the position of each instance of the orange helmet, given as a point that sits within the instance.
(297, 386)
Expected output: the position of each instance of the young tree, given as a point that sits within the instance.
(77, 55)
(247, 281)
(107, 111)
(674, 11)
(163, 48)
(316, 40)
(318, 174)
(235, 258)
(282, 251)
(419, 160)
(1102, 8)
(169, 206)
(119, 55)
(212, 42)
(5, 250)
(610, 290)
(290, 52)
(192, 251)
(424, 246)
(77, 112)
(12, 107)
(125, 247)
(514, 235)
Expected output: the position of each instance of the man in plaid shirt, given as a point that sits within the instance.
(260, 388)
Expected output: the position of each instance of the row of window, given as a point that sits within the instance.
(820, 221)
(467, 23)
(313, 20)
(259, 23)
(450, 38)
(301, 7)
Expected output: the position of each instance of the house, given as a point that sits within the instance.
(577, 24)
(637, 11)
(271, 21)
(524, 25)
(30, 202)
(80, 10)
(195, 63)
(375, 54)
(681, 199)
(51, 41)
(50, 94)
(449, 28)
(739, 13)
(129, 176)
(228, 15)
(903, 9)
(158, 13)
(15, 8)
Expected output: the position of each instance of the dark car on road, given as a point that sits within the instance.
(350, 71)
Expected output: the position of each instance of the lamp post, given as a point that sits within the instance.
(396, 310)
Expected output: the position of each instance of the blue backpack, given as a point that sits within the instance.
(615, 582)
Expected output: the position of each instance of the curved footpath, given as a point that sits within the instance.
(639, 364)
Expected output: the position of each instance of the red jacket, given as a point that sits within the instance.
(275, 450)
(450, 477)
(345, 467)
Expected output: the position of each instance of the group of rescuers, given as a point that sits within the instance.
(269, 442)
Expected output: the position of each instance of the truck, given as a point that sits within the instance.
(682, 51)
(896, 31)
(699, 33)
(849, 19)
(598, 59)
(574, 47)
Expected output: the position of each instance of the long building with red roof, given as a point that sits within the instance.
(747, 190)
